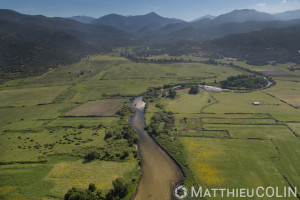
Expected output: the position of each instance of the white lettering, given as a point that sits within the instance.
(222, 192)
(243, 192)
(207, 193)
(215, 192)
(293, 191)
(196, 194)
(260, 188)
(250, 195)
(230, 193)
(277, 193)
(259, 192)
(268, 190)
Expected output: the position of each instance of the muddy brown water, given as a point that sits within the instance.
(159, 172)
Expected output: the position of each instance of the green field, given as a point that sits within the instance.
(223, 163)
(230, 143)
(287, 91)
(44, 126)
(29, 96)
(230, 102)
(185, 103)
(50, 122)
(106, 107)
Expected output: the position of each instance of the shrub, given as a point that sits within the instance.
(81, 126)
(120, 187)
(91, 156)
(159, 105)
(172, 93)
(194, 89)
(108, 134)
(125, 110)
(92, 187)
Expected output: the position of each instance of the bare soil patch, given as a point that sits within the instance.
(275, 73)
(97, 108)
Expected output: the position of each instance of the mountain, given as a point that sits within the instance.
(235, 22)
(137, 25)
(260, 47)
(82, 19)
(243, 16)
(204, 30)
(204, 17)
(289, 15)
(19, 57)
(28, 27)
(31, 45)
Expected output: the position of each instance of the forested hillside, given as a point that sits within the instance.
(31, 45)
(261, 47)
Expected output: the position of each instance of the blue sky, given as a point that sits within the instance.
(182, 9)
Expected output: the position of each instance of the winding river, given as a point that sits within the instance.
(159, 172)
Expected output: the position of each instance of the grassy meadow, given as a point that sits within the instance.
(49, 122)
(230, 143)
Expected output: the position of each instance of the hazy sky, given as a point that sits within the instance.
(182, 9)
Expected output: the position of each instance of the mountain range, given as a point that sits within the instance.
(152, 28)
(83, 19)
(32, 44)
(151, 21)
(136, 24)
(259, 47)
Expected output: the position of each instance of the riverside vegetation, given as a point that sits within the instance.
(67, 130)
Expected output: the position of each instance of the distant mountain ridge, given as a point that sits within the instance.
(82, 19)
(31, 45)
(260, 47)
(152, 23)
(289, 15)
(235, 22)
(243, 16)
(204, 17)
(136, 24)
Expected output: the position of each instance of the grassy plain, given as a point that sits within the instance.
(185, 103)
(105, 107)
(62, 113)
(223, 163)
(47, 118)
(233, 144)
(232, 102)
(80, 175)
(36, 131)
(288, 91)
(29, 96)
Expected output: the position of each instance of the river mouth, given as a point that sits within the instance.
(160, 173)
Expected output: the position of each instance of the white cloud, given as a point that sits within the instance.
(261, 4)
(277, 7)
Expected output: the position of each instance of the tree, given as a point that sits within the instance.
(92, 187)
(80, 194)
(108, 134)
(194, 89)
(120, 187)
(91, 156)
(172, 93)
(130, 134)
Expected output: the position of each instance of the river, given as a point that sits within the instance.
(159, 172)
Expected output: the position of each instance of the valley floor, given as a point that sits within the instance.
(50, 122)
